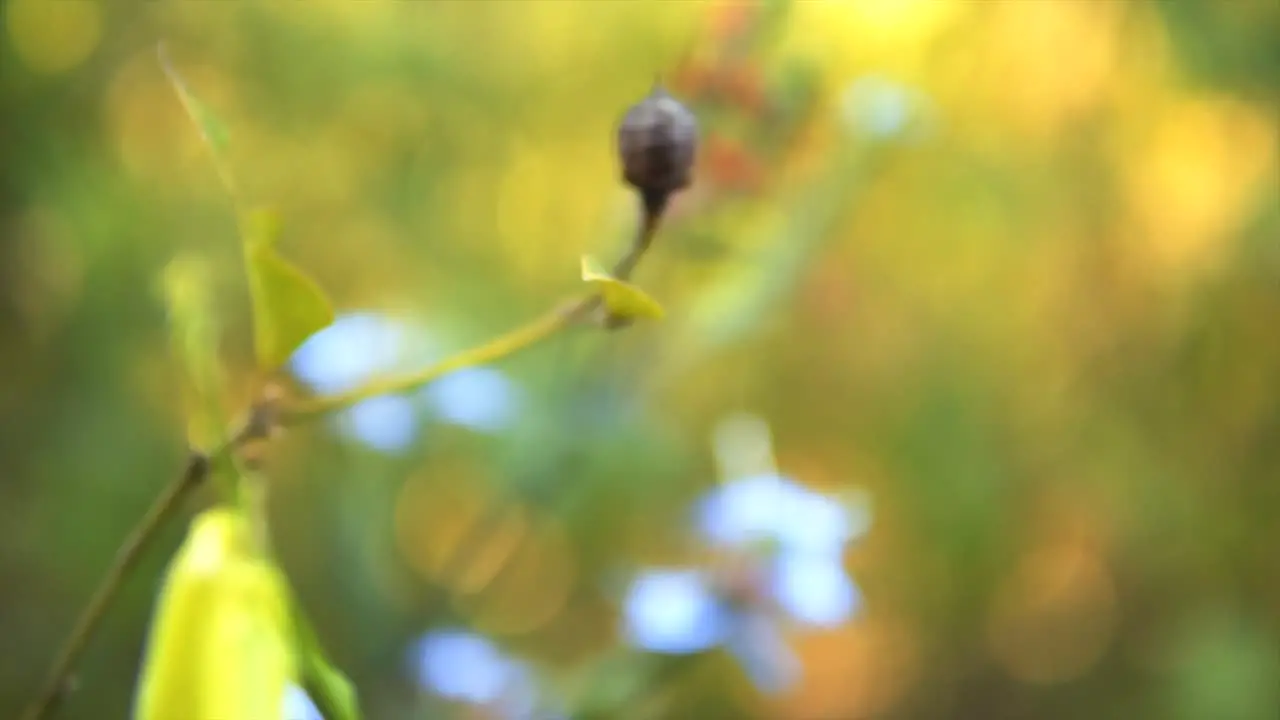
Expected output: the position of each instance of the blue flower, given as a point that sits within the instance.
(386, 423)
(674, 611)
(465, 667)
(359, 347)
(786, 544)
(881, 108)
(482, 399)
(770, 507)
(356, 347)
(806, 532)
(800, 580)
(298, 705)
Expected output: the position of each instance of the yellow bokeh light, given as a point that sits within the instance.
(846, 34)
(1039, 92)
(1054, 618)
(861, 670)
(525, 196)
(1192, 183)
(153, 137)
(489, 548)
(532, 587)
(433, 522)
(53, 37)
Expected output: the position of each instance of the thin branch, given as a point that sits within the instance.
(500, 347)
(165, 507)
(648, 226)
(139, 539)
(266, 416)
(525, 336)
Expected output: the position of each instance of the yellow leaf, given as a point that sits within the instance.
(220, 640)
(623, 300)
(288, 306)
(260, 228)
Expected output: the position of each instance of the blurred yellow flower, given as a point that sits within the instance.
(53, 37)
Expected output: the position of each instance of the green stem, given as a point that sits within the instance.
(263, 420)
(198, 469)
(127, 557)
(500, 347)
(510, 343)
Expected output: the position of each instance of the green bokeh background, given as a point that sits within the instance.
(1038, 326)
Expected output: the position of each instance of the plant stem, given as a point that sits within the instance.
(265, 417)
(527, 335)
(648, 226)
(522, 337)
(139, 539)
(198, 469)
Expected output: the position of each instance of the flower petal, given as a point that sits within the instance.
(298, 705)
(673, 611)
(747, 510)
(815, 523)
(482, 399)
(461, 666)
(356, 347)
(815, 590)
(387, 424)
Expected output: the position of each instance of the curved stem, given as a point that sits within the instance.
(500, 347)
(523, 337)
(198, 469)
(139, 539)
(648, 227)
(265, 416)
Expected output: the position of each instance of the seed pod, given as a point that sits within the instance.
(657, 142)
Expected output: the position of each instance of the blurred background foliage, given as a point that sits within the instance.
(974, 302)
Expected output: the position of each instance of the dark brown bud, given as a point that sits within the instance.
(657, 142)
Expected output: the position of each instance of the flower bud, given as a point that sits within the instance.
(657, 141)
(221, 641)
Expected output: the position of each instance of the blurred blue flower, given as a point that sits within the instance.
(298, 705)
(482, 399)
(815, 589)
(881, 108)
(789, 543)
(360, 346)
(357, 347)
(461, 666)
(803, 581)
(354, 349)
(678, 612)
(746, 511)
(673, 611)
(466, 667)
(386, 423)
(806, 532)
(771, 507)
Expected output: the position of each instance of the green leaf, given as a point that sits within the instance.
(625, 301)
(333, 694)
(260, 229)
(220, 644)
(194, 331)
(288, 306)
(212, 130)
